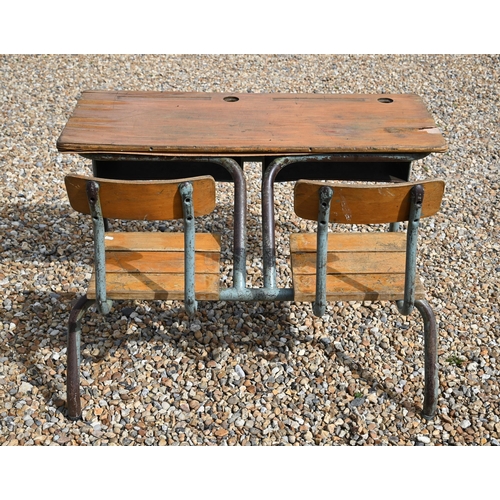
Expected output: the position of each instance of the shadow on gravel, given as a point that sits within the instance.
(37, 241)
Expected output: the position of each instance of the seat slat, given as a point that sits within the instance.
(156, 286)
(160, 262)
(360, 266)
(143, 242)
(357, 262)
(354, 287)
(349, 242)
(145, 266)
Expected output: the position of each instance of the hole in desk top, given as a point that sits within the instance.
(231, 98)
(385, 100)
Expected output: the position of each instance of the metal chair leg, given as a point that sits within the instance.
(431, 359)
(73, 356)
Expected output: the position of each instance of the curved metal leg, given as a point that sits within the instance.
(431, 359)
(73, 355)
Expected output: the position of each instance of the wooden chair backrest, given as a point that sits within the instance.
(366, 204)
(141, 200)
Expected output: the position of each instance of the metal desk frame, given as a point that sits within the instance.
(378, 171)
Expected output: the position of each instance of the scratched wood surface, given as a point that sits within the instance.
(367, 204)
(205, 124)
(360, 266)
(143, 265)
(142, 200)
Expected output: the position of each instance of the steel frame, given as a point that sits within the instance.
(239, 291)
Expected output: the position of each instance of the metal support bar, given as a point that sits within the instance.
(186, 190)
(325, 197)
(268, 179)
(240, 219)
(257, 294)
(417, 196)
(240, 199)
(103, 305)
(394, 227)
(73, 357)
(431, 388)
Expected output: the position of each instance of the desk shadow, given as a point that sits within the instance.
(48, 238)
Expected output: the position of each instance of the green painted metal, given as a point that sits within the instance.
(257, 294)
(74, 357)
(103, 305)
(405, 306)
(186, 190)
(325, 197)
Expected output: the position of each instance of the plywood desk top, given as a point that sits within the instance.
(222, 124)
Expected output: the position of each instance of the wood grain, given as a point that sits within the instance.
(141, 200)
(366, 204)
(151, 266)
(205, 124)
(156, 286)
(360, 266)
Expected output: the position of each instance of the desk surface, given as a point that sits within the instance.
(221, 124)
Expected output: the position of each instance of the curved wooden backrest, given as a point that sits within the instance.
(367, 204)
(141, 200)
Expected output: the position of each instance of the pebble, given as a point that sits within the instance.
(247, 373)
(424, 439)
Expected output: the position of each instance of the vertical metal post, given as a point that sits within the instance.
(95, 174)
(186, 190)
(73, 357)
(103, 305)
(417, 196)
(431, 388)
(268, 229)
(240, 221)
(325, 197)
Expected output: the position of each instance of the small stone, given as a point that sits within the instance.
(221, 433)
(465, 423)
(423, 439)
(25, 387)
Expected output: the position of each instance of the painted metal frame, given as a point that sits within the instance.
(239, 291)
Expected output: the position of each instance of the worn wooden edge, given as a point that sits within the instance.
(367, 203)
(355, 287)
(167, 242)
(156, 286)
(141, 200)
(350, 242)
(116, 98)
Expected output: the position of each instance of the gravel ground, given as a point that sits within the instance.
(247, 374)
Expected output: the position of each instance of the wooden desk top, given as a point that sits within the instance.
(222, 124)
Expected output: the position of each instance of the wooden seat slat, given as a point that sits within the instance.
(354, 287)
(156, 286)
(357, 262)
(142, 265)
(173, 242)
(349, 242)
(160, 262)
(360, 266)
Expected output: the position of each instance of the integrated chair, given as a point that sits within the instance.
(142, 265)
(359, 266)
